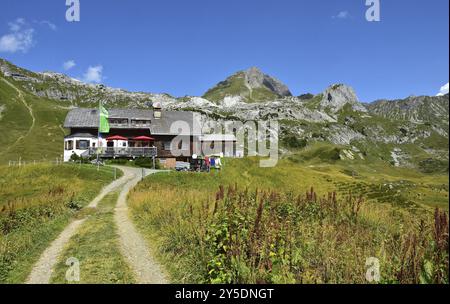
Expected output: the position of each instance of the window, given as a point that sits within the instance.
(93, 145)
(82, 144)
(118, 121)
(167, 145)
(140, 122)
(69, 145)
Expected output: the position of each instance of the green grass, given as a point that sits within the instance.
(176, 211)
(44, 140)
(15, 117)
(316, 166)
(313, 103)
(36, 203)
(96, 246)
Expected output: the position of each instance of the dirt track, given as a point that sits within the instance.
(132, 245)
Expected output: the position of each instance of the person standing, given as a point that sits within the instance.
(207, 164)
(212, 162)
(218, 163)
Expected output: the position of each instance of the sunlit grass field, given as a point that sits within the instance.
(247, 224)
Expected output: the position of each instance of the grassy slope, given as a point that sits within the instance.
(310, 167)
(373, 177)
(44, 140)
(160, 204)
(36, 203)
(15, 117)
(102, 263)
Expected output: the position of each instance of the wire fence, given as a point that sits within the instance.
(21, 163)
(58, 162)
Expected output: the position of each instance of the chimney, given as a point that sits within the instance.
(157, 109)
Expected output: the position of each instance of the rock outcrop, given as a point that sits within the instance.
(337, 96)
(255, 79)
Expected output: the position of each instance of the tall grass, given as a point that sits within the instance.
(205, 232)
(260, 236)
(36, 202)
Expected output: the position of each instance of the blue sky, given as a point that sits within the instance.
(185, 47)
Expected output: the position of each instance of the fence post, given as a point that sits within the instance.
(115, 173)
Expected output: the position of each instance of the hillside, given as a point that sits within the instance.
(419, 109)
(411, 132)
(31, 126)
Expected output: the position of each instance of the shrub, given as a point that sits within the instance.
(293, 141)
(146, 162)
(84, 160)
(433, 166)
(119, 161)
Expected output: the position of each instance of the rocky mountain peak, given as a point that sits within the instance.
(337, 96)
(251, 85)
(255, 79)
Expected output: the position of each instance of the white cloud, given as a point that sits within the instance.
(342, 15)
(69, 64)
(94, 74)
(444, 90)
(19, 38)
(51, 25)
(16, 25)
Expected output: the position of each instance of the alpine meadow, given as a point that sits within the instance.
(231, 151)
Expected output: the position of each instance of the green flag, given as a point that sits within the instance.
(104, 124)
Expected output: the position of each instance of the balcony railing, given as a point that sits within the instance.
(110, 152)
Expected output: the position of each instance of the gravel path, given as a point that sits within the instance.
(43, 269)
(132, 244)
